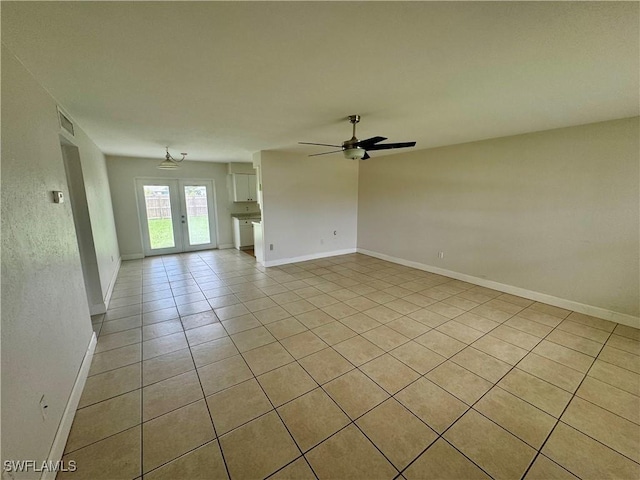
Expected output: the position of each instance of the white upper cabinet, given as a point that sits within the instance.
(244, 188)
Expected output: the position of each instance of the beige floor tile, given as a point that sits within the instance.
(522, 419)
(610, 398)
(408, 327)
(399, 434)
(440, 343)
(285, 297)
(203, 463)
(163, 345)
(258, 448)
(160, 329)
(625, 331)
(360, 322)
(575, 342)
(550, 309)
(402, 306)
(446, 310)
(267, 358)
(545, 469)
(612, 430)
(355, 393)
(296, 470)
(477, 322)
(271, 315)
(312, 418)
(334, 332)
(360, 303)
(223, 374)
(119, 339)
(385, 337)
(170, 394)
(349, 454)
(259, 304)
(382, 314)
(250, 339)
(315, 318)
(420, 358)
(618, 377)
(498, 452)
(160, 315)
(104, 419)
(500, 349)
(529, 326)
(358, 350)
(121, 325)
(206, 333)
(325, 365)
(237, 405)
(458, 381)
(623, 343)
(166, 366)
(591, 333)
(121, 312)
(173, 434)
(540, 317)
(508, 307)
(420, 300)
(537, 392)
(565, 356)
(115, 457)
(515, 337)
(620, 358)
(481, 364)
(303, 344)
(116, 358)
(209, 352)
(199, 320)
(299, 307)
(460, 332)
(428, 318)
(286, 383)
(339, 310)
(492, 313)
(585, 457)
(241, 323)
(390, 373)
(460, 302)
(285, 328)
(555, 373)
(443, 462)
(435, 406)
(225, 313)
(324, 300)
(110, 384)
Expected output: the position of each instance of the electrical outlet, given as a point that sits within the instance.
(271, 246)
(440, 254)
(44, 406)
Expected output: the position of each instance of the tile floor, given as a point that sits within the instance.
(209, 366)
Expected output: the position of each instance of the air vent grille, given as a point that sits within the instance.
(65, 123)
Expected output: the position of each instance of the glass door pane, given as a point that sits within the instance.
(159, 218)
(197, 211)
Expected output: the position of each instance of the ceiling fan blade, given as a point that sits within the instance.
(388, 146)
(325, 153)
(370, 141)
(366, 156)
(321, 144)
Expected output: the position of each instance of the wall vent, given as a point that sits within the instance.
(65, 123)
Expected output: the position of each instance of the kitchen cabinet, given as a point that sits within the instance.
(244, 188)
(242, 233)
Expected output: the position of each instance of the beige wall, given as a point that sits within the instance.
(122, 174)
(555, 212)
(304, 201)
(46, 327)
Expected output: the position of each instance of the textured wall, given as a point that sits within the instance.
(555, 212)
(46, 326)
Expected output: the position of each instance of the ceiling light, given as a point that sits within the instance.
(171, 163)
(355, 153)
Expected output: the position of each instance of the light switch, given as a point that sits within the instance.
(58, 197)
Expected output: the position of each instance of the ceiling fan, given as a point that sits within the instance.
(355, 149)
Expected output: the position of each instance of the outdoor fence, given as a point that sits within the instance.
(160, 207)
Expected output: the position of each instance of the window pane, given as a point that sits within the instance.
(197, 214)
(158, 204)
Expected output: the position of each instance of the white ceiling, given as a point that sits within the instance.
(222, 80)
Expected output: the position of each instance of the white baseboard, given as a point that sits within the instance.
(133, 256)
(305, 258)
(60, 440)
(591, 310)
(112, 283)
(224, 246)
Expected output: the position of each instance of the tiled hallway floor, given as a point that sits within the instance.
(349, 367)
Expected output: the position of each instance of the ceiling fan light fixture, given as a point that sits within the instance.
(170, 163)
(355, 153)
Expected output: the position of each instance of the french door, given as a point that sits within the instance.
(176, 215)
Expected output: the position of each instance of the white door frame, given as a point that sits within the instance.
(178, 213)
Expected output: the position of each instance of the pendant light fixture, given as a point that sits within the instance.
(171, 163)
